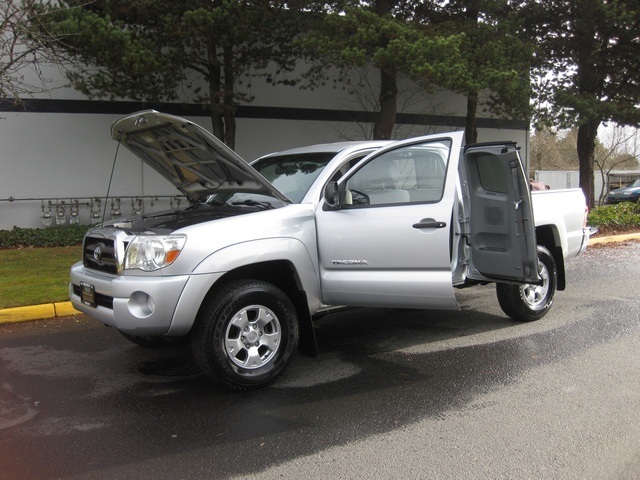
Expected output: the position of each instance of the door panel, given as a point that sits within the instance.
(388, 245)
(502, 232)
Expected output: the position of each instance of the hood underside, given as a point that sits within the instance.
(192, 159)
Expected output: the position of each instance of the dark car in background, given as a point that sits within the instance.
(626, 194)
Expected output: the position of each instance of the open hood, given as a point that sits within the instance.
(192, 159)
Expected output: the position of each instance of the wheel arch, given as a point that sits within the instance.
(549, 237)
(530, 302)
(282, 274)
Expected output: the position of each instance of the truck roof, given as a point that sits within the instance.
(332, 147)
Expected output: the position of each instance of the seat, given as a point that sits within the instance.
(378, 181)
(430, 173)
(382, 197)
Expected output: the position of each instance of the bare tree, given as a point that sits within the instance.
(553, 150)
(619, 149)
(543, 149)
(364, 101)
(24, 49)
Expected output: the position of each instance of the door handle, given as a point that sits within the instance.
(429, 223)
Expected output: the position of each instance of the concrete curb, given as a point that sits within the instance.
(614, 238)
(37, 312)
(65, 309)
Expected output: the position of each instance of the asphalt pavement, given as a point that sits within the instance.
(393, 394)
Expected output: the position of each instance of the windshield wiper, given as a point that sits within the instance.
(209, 203)
(215, 203)
(254, 203)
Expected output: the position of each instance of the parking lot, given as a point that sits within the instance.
(392, 394)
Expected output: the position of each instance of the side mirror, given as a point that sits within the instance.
(332, 196)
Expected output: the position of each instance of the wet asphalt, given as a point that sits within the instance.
(392, 394)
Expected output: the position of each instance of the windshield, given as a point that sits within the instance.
(292, 174)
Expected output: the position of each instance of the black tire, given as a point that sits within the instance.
(246, 334)
(530, 302)
(153, 341)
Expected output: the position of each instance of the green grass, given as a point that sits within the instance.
(30, 276)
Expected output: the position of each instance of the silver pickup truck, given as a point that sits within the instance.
(264, 249)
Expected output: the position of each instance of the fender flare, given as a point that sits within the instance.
(287, 249)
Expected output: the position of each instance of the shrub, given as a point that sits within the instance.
(62, 236)
(612, 218)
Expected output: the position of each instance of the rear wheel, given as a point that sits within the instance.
(246, 334)
(531, 302)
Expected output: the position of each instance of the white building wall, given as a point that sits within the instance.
(558, 179)
(61, 156)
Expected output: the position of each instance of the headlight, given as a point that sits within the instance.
(152, 252)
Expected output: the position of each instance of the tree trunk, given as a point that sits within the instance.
(383, 127)
(470, 128)
(472, 14)
(229, 107)
(217, 123)
(215, 87)
(586, 145)
(589, 80)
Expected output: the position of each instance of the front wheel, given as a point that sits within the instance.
(246, 334)
(531, 302)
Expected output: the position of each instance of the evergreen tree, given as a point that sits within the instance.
(589, 51)
(382, 34)
(496, 60)
(152, 50)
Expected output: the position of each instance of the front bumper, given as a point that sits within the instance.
(134, 305)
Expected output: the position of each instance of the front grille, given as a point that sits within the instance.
(101, 300)
(100, 254)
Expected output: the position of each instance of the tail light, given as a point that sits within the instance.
(586, 215)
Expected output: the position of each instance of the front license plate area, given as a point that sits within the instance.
(88, 294)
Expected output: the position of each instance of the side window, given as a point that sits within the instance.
(410, 174)
(491, 174)
(430, 177)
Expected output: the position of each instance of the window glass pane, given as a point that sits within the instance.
(491, 173)
(293, 175)
(410, 174)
